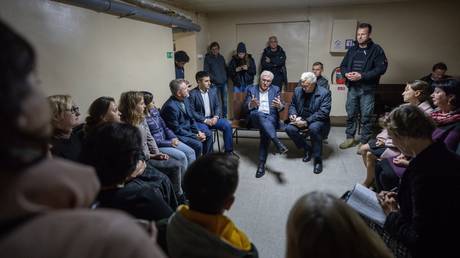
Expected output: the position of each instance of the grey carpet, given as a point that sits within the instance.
(262, 205)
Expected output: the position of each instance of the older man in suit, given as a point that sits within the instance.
(309, 113)
(263, 105)
(206, 110)
(178, 116)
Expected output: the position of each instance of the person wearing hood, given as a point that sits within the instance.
(274, 60)
(202, 229)
(242, 69)
(214, 64)
(362, 67)
(45, 201)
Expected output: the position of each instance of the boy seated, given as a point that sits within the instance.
(201, 229)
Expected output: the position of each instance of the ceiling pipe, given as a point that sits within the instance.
(148, 4)
(125, 10)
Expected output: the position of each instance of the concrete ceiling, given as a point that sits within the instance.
(245, 5)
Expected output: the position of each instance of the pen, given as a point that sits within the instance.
(394, 189)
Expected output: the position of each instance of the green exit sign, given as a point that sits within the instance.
(169, 55)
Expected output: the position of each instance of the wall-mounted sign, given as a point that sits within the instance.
(349, 43)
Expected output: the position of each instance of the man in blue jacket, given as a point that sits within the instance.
(178, 116)
(207, 112)
(309, 113)
(362, 67)
(263, 105)
(214, 64)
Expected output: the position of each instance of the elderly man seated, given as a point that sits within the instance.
(309, 113)
(263, 105)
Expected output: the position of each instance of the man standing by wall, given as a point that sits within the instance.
(318, 69)
(274, 60)
(180, 59)
(214, 64)
(362, 67)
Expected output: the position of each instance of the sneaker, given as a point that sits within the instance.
(348, 143)
(358, 151)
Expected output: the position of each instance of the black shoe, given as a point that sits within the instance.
(260, 170)
(280, 146)
(306, 156)
(318, 166)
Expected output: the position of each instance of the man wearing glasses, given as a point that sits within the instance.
(263, 105)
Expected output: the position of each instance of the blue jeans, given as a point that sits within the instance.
(240, 89)
(221, 125)
(222, 92)
(316, 130)
(360, 100)
(189, 152)
(183, 153)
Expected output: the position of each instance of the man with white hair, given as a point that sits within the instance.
(309, 113)
(263, 105)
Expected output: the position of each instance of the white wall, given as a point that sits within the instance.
(88, 54)
(414, 36)
(195, 44)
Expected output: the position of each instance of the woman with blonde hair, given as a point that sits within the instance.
(67, 134)
(132, 108)
(323, 226)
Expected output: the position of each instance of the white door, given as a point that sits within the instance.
(293, 37)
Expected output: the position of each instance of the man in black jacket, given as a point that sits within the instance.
(274, 60)
(362, 67)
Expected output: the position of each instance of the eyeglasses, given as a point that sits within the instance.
(74, 110)
(265, 80)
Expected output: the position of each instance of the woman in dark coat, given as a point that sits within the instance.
(423, 214)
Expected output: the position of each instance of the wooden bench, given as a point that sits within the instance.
(239, 121)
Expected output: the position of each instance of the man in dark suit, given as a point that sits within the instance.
(178, 116)
(263, 105)
(309, 113)
(207, 111)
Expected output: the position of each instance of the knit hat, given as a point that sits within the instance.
(241, 48)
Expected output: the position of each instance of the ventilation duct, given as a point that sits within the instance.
(125, 10)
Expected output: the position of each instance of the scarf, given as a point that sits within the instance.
(446, 118)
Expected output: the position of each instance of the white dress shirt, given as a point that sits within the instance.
(207, 103)
(264, 106)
